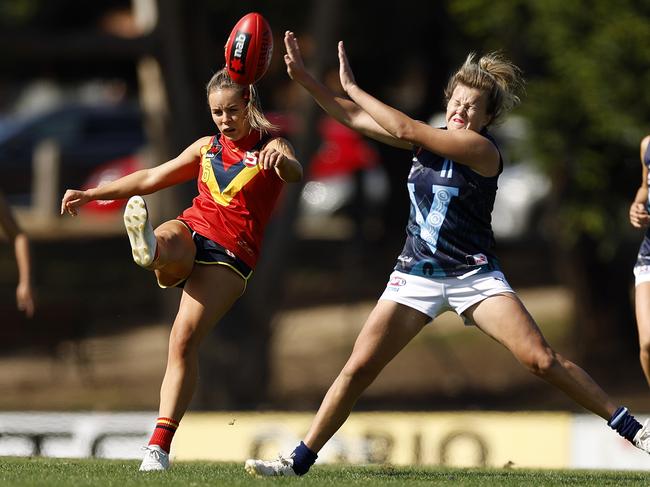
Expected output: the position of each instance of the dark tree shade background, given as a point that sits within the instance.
(588, 68)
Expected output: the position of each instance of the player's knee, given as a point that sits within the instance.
(540, 362)
(164, 237)
(182, 344)
(359, 372)
(172, 243)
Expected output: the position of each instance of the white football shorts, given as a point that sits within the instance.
(435, 296)
(641, 274)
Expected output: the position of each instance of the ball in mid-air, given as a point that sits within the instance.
(249, 49)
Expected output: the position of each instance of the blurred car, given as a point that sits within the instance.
(88, 136)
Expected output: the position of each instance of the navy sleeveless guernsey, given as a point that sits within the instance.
(449, 231)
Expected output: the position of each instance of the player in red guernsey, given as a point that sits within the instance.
(212, 247)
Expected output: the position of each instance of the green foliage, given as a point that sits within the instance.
(39, 472)
(17, 11)
(588, 71)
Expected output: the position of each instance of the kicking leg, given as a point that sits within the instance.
(169, 250)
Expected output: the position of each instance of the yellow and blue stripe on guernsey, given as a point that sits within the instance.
(224, 183)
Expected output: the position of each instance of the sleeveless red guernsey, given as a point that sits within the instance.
(236, 197)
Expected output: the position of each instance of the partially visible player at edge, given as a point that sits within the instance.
(20, 241)
(639, 218)
(448, 260)
(212, 247)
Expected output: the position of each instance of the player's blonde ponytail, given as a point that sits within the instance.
(256, 118)
(493, 74)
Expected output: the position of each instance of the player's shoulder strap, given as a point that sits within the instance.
(264, 139)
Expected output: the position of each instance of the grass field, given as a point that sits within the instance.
(23, 472)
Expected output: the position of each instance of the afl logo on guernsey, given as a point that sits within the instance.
(250, 159)
(213, 151)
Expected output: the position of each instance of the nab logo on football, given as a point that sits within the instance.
(238, 54)
(249, 49)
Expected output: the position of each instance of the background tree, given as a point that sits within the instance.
(587, 102)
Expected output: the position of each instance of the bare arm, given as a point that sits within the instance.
(342, 109)
(279, 155)
(464, 146)
(146, 181)
(24, 291)
(639, 217)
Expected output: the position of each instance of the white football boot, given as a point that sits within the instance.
(642, 438)
(138, 227)
(282, 467)
(155, 458)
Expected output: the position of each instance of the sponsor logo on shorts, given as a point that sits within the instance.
(642, 269)
(396, 281)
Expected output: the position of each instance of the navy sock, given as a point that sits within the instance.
(624, 423)
(303, 459)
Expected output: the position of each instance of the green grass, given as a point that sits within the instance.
(23, 472)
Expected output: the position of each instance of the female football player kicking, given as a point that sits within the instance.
(211, 248)
(448, 259)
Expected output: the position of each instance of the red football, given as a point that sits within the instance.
(249, 49)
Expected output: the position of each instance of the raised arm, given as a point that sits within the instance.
(342, 109)
(464, 146)
(146, 181)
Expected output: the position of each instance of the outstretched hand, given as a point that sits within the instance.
(72, 200)
(345, 71)
(293, 59)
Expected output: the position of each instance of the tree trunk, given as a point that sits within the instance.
(605, 333)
